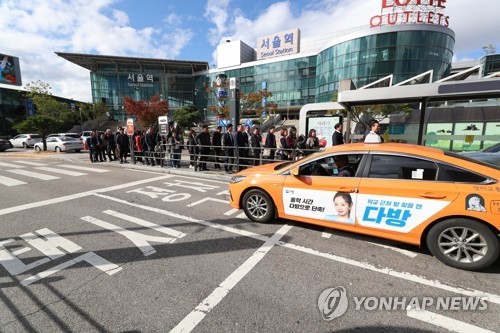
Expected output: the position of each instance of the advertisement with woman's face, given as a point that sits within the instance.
(321, 205)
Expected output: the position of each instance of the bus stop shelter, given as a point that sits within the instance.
(419, 89)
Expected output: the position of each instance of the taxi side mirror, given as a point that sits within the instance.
(295, 172)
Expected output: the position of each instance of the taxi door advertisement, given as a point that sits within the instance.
(400, 214)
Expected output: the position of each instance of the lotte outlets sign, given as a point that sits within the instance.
(411, 12)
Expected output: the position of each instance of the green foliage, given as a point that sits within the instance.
(41, 124)
(187, 116)
(362, 114)
(97, 112)
(51, 115)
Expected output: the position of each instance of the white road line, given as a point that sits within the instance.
(242, 216)
(62, 171)
(37, 175)
(147, 224)
(31, 163)
(207, 199)
(402, 251)
(10, 181)
(444, 322)
(401, 275)
(205, 306)
(231, 212)
(90, 257)
(205, 180)
(76, 167)
(326, 233)
(47, 202)
(10, 165)
(363, 265)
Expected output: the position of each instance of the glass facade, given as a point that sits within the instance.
(491, 64)
(315, 78)
(141, 80)
(367, 59)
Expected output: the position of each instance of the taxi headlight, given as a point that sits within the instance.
(236, 179)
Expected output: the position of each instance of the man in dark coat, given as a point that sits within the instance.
(151, 144)
(111, 145)
(123, 142)
(217, 144)
(337, 137)
(271, 142)
(240, 143)
(204, 143)
(228, 144)
(256, 145)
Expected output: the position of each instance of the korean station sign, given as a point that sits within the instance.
(411, 12)
(140, 80)
(279, 44)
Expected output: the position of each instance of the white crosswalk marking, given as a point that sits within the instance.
(31, 163)
(33, 174)
(9, 165)
(76, 167)
(10, 181)
(62, 171)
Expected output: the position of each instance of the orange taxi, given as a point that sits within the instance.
(408, 193)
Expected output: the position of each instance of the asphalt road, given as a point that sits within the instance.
(109, 248)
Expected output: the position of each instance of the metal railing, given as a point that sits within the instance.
(229, 158)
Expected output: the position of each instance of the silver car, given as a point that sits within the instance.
(61, 143)
(25, 140)
(489, 155)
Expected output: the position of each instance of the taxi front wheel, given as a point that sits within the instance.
(464, 244)
(258, 206)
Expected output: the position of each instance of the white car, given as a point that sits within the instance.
(25, 140)
(61, 143)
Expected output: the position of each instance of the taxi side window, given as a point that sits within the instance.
(401, 167)
(455, 174)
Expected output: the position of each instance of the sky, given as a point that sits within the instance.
(191, 30)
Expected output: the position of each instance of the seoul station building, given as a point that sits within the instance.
(402, 42)
(407, 38)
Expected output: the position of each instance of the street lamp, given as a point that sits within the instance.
(287, 110)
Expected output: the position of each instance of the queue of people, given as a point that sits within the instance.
(225, 147)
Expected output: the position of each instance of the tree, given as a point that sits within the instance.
(46, 104)
(251, 104)
(51, 116)
(146, 111)
(95, 113)
(362, 114)
(41, 124)
(187, 116)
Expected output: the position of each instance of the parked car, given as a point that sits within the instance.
(25, 140)
(489, 155)
(424, 196)
(4, 145)
(70, 135)
(61, 143)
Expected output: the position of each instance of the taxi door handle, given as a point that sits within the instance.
(431, 195)
(345, 189)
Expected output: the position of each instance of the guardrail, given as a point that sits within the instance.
(228, 158)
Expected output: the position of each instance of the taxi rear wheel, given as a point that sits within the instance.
(258, 206)
(463, 244)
